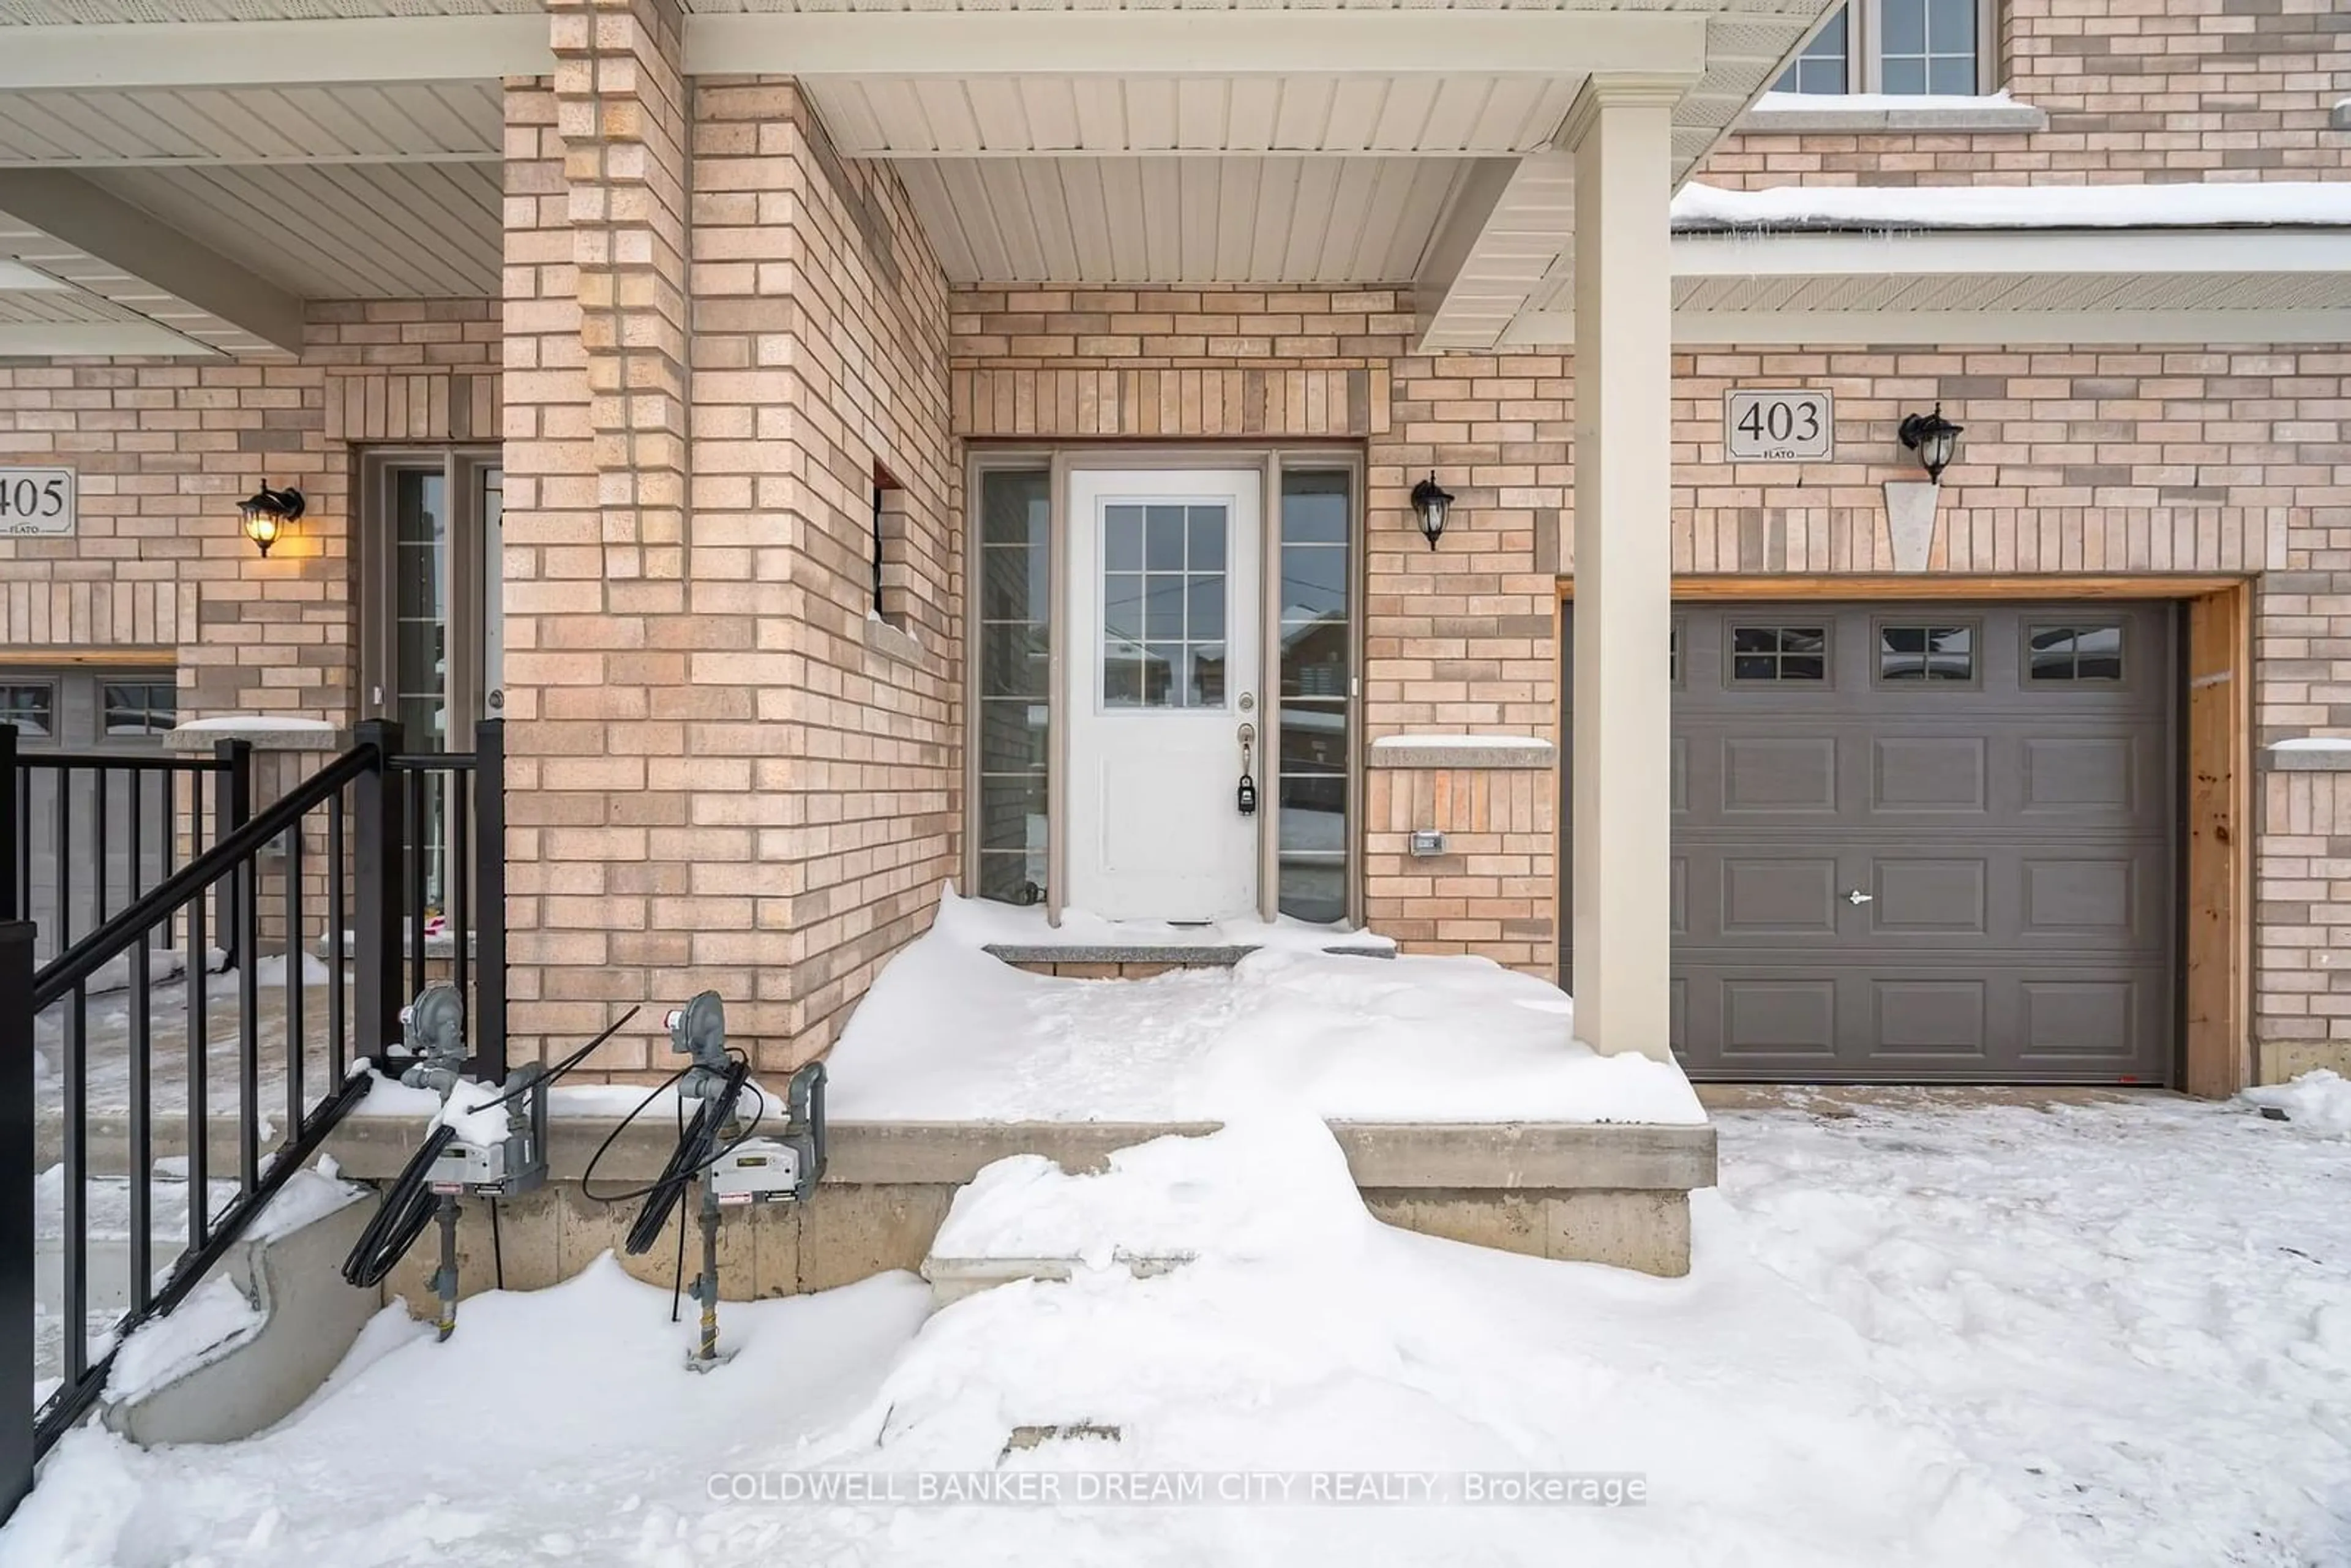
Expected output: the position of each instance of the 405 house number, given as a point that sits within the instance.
(37, 501)
(1776, 426)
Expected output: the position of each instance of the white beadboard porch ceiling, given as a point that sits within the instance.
(354, 231)
(353, 124)
(1329, 220)
(105, 13)
(20, 308)
(118, 313)
(1340, 142)
(975, 117)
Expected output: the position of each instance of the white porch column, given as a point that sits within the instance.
(1621, 133)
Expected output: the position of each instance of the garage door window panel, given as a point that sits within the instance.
(1927, 653)
(1761, 655)
(135, 708)
(32, 707)
(2076, 653)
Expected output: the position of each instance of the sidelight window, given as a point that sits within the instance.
(430, 548)
(1015, 518)
(1317, 687)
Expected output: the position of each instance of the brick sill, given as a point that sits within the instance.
(891, 643)
(1993, 117)
(2285, 756)
(1526, 753)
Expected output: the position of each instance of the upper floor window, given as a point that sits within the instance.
(1903, 46)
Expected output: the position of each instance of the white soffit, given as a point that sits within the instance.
(244, 315)
(110, 12)
(17, 278)
(397, 231)
(327, 51)
(972, 117)
(1182, 220)
(61, 322)
(362, 123)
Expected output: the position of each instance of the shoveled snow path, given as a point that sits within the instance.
(2137, 1316)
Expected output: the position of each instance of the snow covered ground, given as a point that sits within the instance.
(948, 1033)
(1917, 1334)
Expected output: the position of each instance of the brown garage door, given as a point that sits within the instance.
(1924, 842)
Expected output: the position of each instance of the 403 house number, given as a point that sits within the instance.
(37, 501)
(1777, 426)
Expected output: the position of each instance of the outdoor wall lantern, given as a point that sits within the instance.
(266, 512)
(1934, 438)
(1430, 502)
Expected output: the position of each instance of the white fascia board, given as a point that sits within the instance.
(1988, 253)
(79, 340)
(95, 222)
(1868, 328)
(1194, 43)
(274, 54)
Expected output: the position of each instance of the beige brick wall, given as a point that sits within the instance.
(1456, 640)
(819, 354)
(2099, 459)
(2135, 90)
(2217, 461)
(726, 774)
(164, 449)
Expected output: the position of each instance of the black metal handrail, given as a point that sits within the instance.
(85, 830)
(366, 814)
(77, 962)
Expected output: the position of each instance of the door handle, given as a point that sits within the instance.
(1858, 897)
(1245, 798)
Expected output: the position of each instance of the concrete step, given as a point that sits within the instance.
(953, 1279)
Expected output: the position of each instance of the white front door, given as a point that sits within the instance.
(1164, 641)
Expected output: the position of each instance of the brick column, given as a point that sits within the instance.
(620, 98)
(595, 530)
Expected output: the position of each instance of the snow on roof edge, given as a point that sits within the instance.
(1703, 208)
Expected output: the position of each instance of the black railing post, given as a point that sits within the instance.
(9, 848)
(490, 900)
(232, 808)
(18, 1302)
(381, 854)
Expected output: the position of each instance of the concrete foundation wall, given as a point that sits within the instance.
(1614, 1194)
(849, 1233)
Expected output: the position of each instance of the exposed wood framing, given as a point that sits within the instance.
(83, 658)
(2217, 965)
